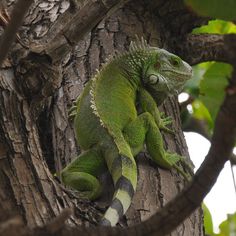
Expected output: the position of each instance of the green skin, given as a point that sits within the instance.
(110, 131)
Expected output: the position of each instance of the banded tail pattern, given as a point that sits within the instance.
(124, 173)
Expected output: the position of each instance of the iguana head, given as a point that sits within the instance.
(164, 73)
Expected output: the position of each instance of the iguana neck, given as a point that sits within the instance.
(159, 96)
(132, 65)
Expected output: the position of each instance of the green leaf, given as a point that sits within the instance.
(192, 86)
(200, 112)
(214, 8)
(208, 225)
(212, 86)
(216, 27)
(207, 89)
(228, 227)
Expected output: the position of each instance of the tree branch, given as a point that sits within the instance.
(85, 19)
(40, 84)
(196, 48)
(17, 17)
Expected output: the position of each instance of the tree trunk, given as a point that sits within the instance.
(37, 137)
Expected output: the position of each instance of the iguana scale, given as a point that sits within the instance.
(111, 132)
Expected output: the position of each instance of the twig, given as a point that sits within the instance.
(9, 34)
(57, 223)
(233, 159)
(12, 226)
(232, 172)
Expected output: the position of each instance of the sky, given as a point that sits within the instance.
(222, 198)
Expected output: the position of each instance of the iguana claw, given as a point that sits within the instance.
(164, 122)
(187, 168)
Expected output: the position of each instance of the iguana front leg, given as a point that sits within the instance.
(144, 129)
(149, 105)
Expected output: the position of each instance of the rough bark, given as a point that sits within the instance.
(37, 137)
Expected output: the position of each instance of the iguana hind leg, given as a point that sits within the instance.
(123, 168)
(81, 174)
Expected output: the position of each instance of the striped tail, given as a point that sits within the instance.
(124, 173)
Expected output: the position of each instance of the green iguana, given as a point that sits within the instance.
(111, 132)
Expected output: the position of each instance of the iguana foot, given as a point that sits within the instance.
(81, 174)
(87, 185)
(173, 159)
(164, 122)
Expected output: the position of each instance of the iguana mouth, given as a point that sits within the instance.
(179, 74)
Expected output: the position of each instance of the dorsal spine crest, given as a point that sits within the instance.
(137, 55)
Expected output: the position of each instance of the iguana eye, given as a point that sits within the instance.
(157, 65)
(174, 61)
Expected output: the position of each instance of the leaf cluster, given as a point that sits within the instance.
(210, 79)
